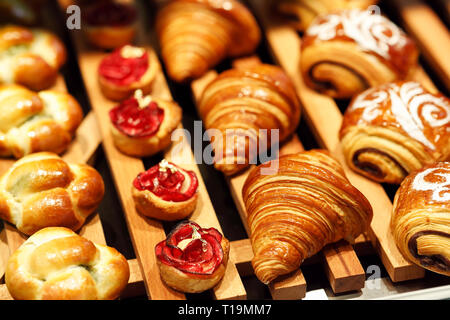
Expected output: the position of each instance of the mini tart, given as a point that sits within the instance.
(142, 126)
(125, 70)
(165, 192)
(192, 259)
(109, 25)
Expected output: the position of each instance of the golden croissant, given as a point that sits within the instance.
(243, 106)
(421, 217)
(348, 51)
(195, 35)
(294, 211)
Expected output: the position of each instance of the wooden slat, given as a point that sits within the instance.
(4, 252)
(324, 119)
(431, 34)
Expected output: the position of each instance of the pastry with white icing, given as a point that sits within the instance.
(421, 218)
(346, 52)
(394, 129)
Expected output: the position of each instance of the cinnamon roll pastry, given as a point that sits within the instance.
(296, 211)
(243, 106)
(393, 129)
(195, 35)
(346, 52)
(421, 217)
(303, 12)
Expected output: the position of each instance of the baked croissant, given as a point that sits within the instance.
(195, 35)
(42, 190)
(294, 212)
(57, 264)
(305, 11)
(31, 57)
(346, 52)
(421, 217)
(393, 129)
(243, 106)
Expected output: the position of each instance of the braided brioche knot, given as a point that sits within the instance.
(57, 264)
(42, 190)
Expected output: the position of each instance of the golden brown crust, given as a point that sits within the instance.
(247, 100)
(306, 203)
(391, 130)
(57, 264)
(110, 37)
(41, 190)
(421, 217)
(35, 122)
(195, 35)
(344, 54)
(30, 57)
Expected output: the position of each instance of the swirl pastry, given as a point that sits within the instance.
(126, 70)
(57, 264)
(304, 12)
(393, 129)
(295, 212)
(42, 190)
(346, 52)
(109, 24)
(243, 106)
(33, 122)
(165, 192)
(421, 217)
(192, 259)
(195, 35)
(30, 57)
(142, 126)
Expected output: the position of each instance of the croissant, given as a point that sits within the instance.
(346, 52)
(304, 12)
(31, 57)
(57, 264)
(293, 213)
(421, 217)
(42, 190)
(393, 129)
(239, 105)
(195, 35)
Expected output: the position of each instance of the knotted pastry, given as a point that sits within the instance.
(192, 259)
(33, 122)
(421, 217)
(30, 57)
(195, 35)
(294, 212)
(42, 190)
(304, 12)
(57, 264)
(393, 129)
(126, 70)
(346, 52)
(142, 125)
(243, 106)
(165, 192)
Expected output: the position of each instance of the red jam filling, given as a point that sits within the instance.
(202, 256)
(134, 121)
(123, 71)
(167, 183)
(107, 13)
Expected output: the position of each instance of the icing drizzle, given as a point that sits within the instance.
(441, 189)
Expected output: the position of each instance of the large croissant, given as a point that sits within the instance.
(195, 35)
(241, 104)
(295, 212)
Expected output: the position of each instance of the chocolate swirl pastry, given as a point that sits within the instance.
(421, 217)
(242, 105)
(346, 52)
(295, 212)
(393, 129)
(195, 35)
(304, 12)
